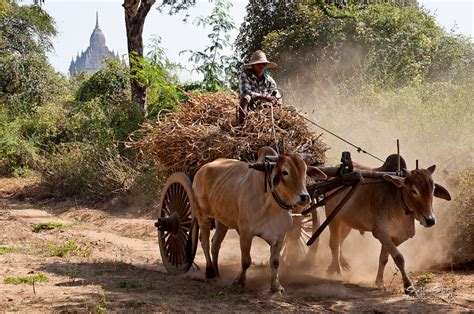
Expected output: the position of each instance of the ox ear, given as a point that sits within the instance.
(396, 180)
(316, 174)
(431, 169)
(441, 192)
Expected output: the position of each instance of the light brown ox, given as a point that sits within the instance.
(388, 210)
(228, 191)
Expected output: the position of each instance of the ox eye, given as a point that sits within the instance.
(413, 190)
(284, 173)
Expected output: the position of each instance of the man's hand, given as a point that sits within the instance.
(264, 98)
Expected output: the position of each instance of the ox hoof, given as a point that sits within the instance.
(410, 291)
(277, 288)
(345, 265)
(379, 284)
(210, 273)
(238, 282)
(333, 270)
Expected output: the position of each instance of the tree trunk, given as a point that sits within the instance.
(135, 14)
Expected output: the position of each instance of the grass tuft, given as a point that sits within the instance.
(6, 250)
(426, 278)
(47, 226)
(30, 279)
(70, 247)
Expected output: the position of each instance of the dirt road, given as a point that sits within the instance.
(112, 263)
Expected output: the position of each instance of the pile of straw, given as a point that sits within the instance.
(204, 129)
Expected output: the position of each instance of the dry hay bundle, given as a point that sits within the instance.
(202, 130)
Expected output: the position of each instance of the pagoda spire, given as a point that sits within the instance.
(96, 19)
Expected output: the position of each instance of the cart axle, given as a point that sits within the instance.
(170, 223)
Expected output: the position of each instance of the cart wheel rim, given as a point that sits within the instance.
(177, 228)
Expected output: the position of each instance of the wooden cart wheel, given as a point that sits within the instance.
(295, 250)
(177, 230)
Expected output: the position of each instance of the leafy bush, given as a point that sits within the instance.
(156, 73)
(111, 79)
(28, 81)
(463, 212)
(215, 67)
(383, 44)
(17, 154)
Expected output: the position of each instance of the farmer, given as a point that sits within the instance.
(255, 84)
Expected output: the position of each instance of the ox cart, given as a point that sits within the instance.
(178, 231)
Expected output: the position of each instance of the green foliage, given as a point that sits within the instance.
(101, 306)
(262, 18)
(46, 226)
(424, 279)
(70, 247)
(463, 212)
(156, 73)
(30, 279)
(210, 62)
(426, 110)
(111, 79)
(383, 44)
(6, 250)
(28, 81)
(25, 29)
(16, 153)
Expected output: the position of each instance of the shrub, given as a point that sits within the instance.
(111, 79)
(72, 169)
(383, 44)
(17, 154)
(463, 212)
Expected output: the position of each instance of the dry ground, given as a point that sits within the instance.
(117, 267)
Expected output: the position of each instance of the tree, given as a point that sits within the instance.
(135, 15)
(25, 29)
(263, 17)
(210, 62)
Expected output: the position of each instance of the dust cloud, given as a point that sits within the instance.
(368, 127)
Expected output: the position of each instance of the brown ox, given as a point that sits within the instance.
(388, 210)
(228, 191)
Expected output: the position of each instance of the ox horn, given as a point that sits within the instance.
(305, 155)
(271, 158)
(405, 173)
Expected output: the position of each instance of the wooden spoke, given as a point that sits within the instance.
(178, 225)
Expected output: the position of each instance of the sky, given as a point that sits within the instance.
(75, 20)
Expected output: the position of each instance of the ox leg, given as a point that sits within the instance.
(383, 259)
(219, 235)
(345, 230)
(388, 244)
(275, 250)
(335, 245)
(245, 244)
(205, 230)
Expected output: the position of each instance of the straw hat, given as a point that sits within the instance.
(259, 57)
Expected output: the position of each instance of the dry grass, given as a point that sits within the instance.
(203, 130)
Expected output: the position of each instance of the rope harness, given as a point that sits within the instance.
(267, 167)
